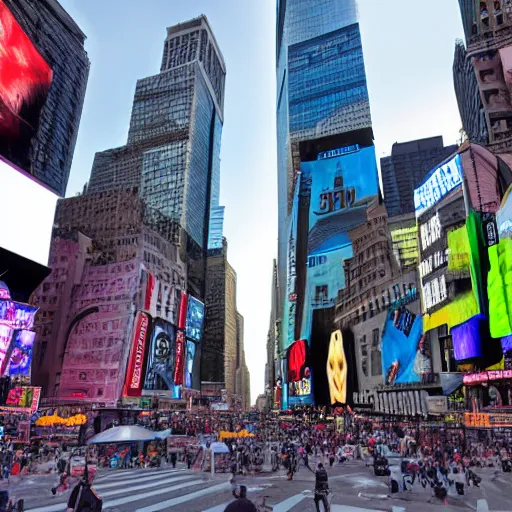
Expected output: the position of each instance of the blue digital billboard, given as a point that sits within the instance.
(342, 187)
(195, 319)
(405, 354)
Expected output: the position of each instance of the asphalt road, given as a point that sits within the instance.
(354, 489)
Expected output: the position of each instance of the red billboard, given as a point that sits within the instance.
(180, 349)
(134, 380)
(25, 80)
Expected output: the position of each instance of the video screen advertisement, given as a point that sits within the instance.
(406, 356)
(194, 336)
(299, 374)
(25, 81)
(333, 361)
(341, 189)
(22, 399)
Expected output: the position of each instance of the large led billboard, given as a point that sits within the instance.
(299, 373)
(195, 319)
(25, 79)
(342, 188)
(333, 361)
(22, 399)
(21, 357)
(406, 355)
(440, 181)
(161, 357)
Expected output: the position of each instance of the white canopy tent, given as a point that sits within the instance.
(123, 434)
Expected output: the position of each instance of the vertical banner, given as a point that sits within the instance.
(180, 359)
(133, 381)
(182, 317)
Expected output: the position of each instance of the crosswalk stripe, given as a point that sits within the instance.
(183, 499)
(137, 497)
(119, 477)
(289, 503)
(218, 508)
(58, 507)
(347, 508)
(124, 490)
(118, 482)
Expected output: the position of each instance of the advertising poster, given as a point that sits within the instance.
(16, 314)
(333, 361)
(189, 365)
(21, 357)
(134, 374)
(195, 319)
(6, 333)
(342, 188)
(299, 374)
(160, 367)
(441, 181)
(24, 84)
(406, 356)
(23, 399)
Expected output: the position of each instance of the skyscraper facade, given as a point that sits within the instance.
(122, 313)
(327, 176)
(487, 25)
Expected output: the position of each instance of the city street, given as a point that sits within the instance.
(354, 488)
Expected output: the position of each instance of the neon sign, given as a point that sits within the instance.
(478, 378)
(442, 181)
(136, 364)
(178, 369)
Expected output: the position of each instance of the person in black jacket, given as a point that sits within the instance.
(321, 488)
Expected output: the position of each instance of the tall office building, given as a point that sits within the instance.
(327, 174)
(487, 24)
(223, 352)
(129, 254)
(173, 148)
(468, 96)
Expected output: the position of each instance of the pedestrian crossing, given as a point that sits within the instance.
(163, 489)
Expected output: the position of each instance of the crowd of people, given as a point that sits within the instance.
(439, 457)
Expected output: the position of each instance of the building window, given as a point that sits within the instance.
(376, 363)
(376, 359)
(321, 293)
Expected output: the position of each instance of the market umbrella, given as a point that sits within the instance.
(219, 448)
(123, 434)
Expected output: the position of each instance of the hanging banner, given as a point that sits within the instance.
(178, 368)
(133, 381)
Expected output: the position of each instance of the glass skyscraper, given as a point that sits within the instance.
(321, 87)
(173, 149)
(323, 124)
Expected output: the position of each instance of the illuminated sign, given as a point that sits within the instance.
(24, 85)
(478, 378)
(6, 333)
(338, 152)
(337, 369)
(472, 419)
(133, 381)
(21, 356)
(299, 373)
(16, 314)
(430, 232)
(440, 182)
(180, 360)
(336, 199)
(433, 262)
(195, 319)
(23, 399)
(434, 292)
